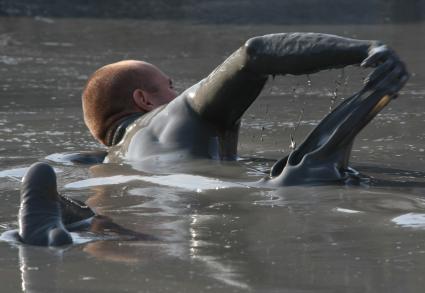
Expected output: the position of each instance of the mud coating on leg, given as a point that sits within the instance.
(40, 219)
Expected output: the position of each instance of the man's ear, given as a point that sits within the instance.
(142, 100)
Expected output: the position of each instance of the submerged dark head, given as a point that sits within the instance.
(40, 218)
(324, 155)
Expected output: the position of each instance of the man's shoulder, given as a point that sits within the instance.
(146, 118)
(155, 121)
(167, 127)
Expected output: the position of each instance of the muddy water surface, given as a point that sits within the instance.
(210, 231)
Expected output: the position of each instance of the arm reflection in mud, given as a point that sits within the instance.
(114, 249)
(103, 225)
(180, 229)
(116, 238)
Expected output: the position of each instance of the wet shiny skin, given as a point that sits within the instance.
(234, 238)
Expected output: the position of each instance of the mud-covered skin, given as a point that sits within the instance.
(324, 155)
(40, 217)
(83, 157)
(203, 121)
(45, 217)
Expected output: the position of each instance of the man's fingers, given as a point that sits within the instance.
(371, 60)
(394, 81)
(390, 74)
(400, 84)
(379, 72)
(375, 56)
(390, 80)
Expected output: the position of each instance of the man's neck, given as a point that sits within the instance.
(117, 130)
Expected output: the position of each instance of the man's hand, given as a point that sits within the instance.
(390, 73)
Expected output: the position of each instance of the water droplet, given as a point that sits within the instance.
(308, 80)
(293, 144)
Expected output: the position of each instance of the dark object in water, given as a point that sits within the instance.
(85, 157)
(44, 215)
(324, 155)
(40, 218)
(75, 214)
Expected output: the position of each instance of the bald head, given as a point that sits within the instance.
(109, 94)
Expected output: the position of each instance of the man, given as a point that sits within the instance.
(131, 106)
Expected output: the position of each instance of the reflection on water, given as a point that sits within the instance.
(412, 220)
(184, 233)
(185, 181)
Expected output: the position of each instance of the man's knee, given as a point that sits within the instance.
(59, 236)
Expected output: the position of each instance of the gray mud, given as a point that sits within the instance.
(213, 232)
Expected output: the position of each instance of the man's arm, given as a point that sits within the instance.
(229, 90)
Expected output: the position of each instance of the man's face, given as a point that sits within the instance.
(165, 92)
